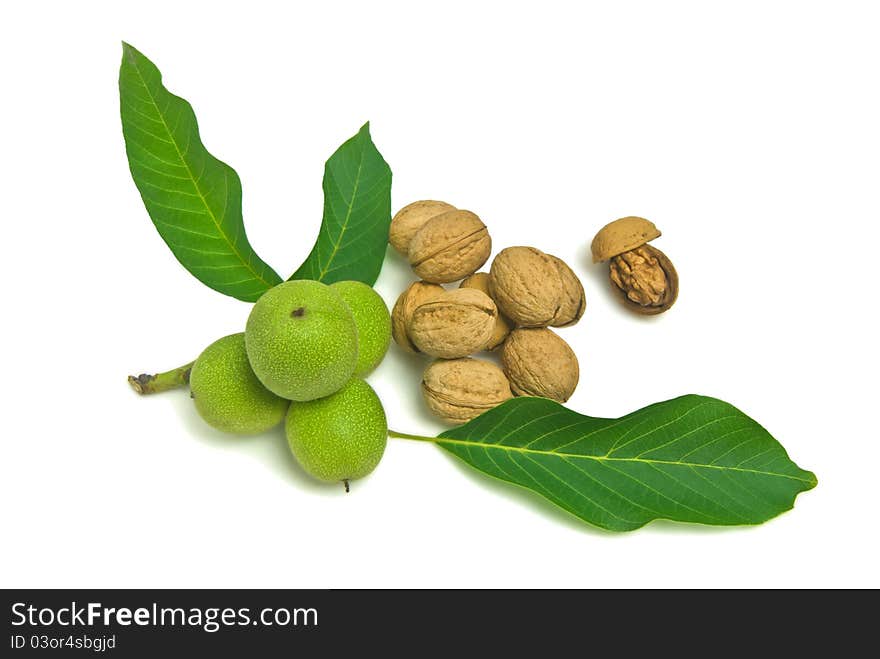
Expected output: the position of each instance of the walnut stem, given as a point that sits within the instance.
(153, 384)
(403, 435)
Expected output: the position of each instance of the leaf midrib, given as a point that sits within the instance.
(357, 182)
(194, 180)
(599, 458)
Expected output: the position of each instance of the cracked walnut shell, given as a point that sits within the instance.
(539, 363)
(412, 217)
(456, 324)
(450, 246)
(459, 390)
(645, 279)
(642, 275)
(415, 294)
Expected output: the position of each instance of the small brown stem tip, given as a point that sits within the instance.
(140, 382)
(146, 383)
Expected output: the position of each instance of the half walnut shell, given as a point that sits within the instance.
(621, 236)
(645, 280)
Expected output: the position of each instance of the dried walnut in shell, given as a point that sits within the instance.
(459, 390)
(503, 325)
(456, 324)
(526, 286)
(450, 246)
(410, 219)
(535, 289)
(416, 294)
(539, 363)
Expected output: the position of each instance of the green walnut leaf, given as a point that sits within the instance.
(690, 459)
(357, 214)
(193, 198)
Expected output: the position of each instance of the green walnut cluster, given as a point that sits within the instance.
(303, 355)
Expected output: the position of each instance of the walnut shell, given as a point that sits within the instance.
(573, 301)
(415, 294)
(645, 279)
(621, 236)
(539, 363)
(480, 281)
(459, 390)
(410, 219)
(450, 246)
(526, 285)
(456, 324)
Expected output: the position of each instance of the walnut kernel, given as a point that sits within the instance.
(645, 278)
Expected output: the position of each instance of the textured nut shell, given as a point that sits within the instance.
(526, 286)
(456, 324)
(459, 390)
(573, 301)
(621, 236)
(417, 293)
(538, 363)
(669, 296)
(410, 219)
(450, 246)
(503, 325)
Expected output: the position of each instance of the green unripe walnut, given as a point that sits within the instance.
(372, 320)
(340, 437)
(301, 340)
(228, 394)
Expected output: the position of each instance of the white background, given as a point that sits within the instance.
(748, 131)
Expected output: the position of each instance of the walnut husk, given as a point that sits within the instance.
(450, 246)
(539, 363)
(410, 219)
(503, 325)
(526, 286)
(415, 294)
(459, 390)
(456, 324)
(645, 280)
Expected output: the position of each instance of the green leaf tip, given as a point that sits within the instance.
(353, 236)
(690, 459)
